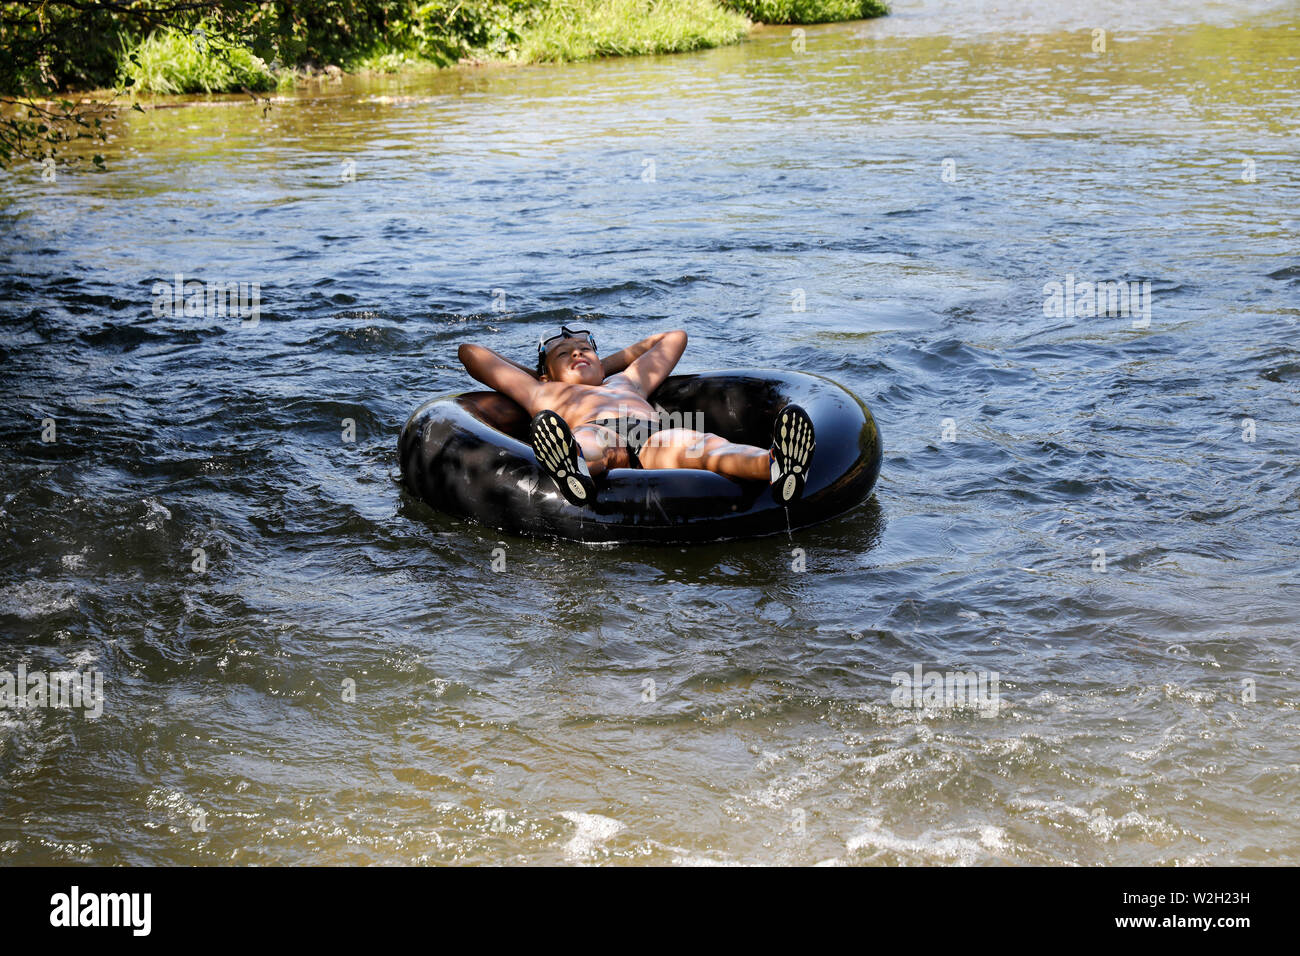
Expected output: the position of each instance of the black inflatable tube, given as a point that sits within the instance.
(468, 455)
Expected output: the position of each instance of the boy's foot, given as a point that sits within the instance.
(560, 456)
(793, 443)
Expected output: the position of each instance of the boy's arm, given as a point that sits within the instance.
(498, 372)
(616, 362)
(649, 361)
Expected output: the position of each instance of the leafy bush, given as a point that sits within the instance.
(175, 61)
(45, 48)
(582, 29)
(808, 11)
(448, 30)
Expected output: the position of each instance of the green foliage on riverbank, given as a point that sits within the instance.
(170, 61)
(808, 11)
(162, 46)
(85, 45)
(583, 29)
(438, 32)
(388, 36)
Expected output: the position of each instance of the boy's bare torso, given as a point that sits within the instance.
(579, 404)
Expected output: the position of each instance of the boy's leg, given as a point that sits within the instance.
(785, 464)
(684, 448)
(597, 448)
(573, 459)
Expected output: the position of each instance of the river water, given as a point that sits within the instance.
(1100, 510)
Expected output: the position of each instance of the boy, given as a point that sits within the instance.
(592, 414)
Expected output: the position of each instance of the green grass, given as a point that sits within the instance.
(808, 11)
(441, 32)
(390, 61)
(172, 61)
(584, 29)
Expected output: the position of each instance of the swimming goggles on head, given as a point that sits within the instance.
(565, 333)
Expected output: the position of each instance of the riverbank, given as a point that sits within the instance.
(98, 53)
(199, 60)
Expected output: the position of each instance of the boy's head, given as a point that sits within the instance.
(569, 356)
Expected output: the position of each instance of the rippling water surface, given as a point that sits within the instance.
(1148, 712)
